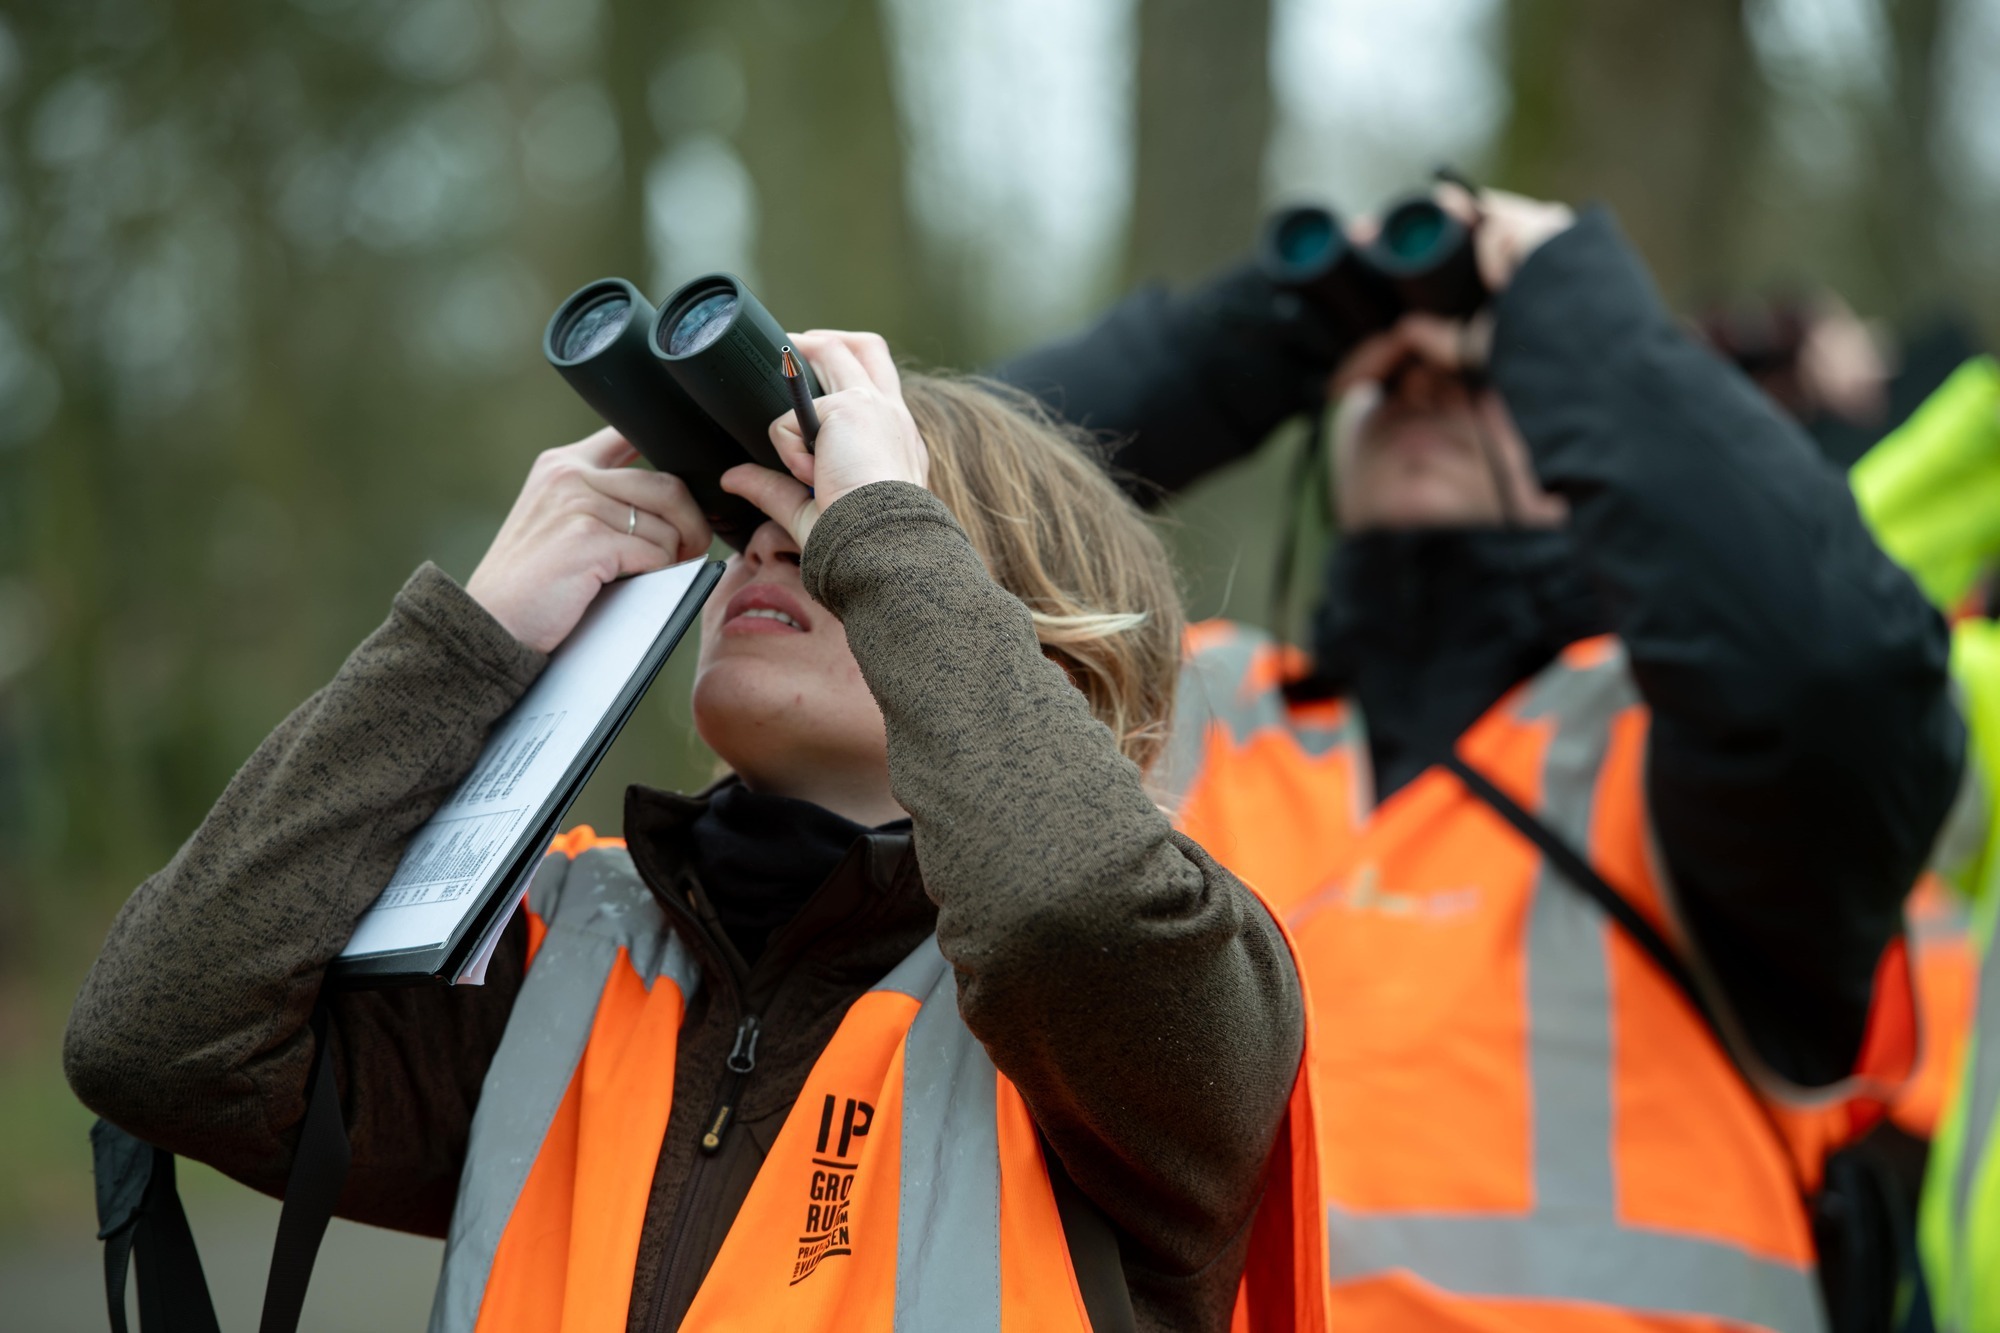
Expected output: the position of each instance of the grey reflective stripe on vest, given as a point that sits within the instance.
(917, 975)
(592, 906)
(948, 1213)
(1544, 1257)
(1211, 690)
(1568, 965)
(1982, 1104)
(1572, 1246)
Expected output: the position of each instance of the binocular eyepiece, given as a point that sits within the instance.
(1421, 259)
(693, 384)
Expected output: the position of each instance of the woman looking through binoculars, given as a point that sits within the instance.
(1024, 1057)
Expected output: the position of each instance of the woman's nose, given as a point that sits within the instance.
(769, 542)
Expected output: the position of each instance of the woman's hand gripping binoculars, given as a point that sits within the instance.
(694, 384)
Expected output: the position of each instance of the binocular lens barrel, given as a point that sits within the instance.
(702, 323)
(595, 326)
(694, 385)
(721, 345)
(1304, 237)
(1413, 232)
(1421, 259)
(1429, 257)
(1306, 250)
(599, 342)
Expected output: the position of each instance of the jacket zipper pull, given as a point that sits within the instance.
(742, 1059)
(743, 1055)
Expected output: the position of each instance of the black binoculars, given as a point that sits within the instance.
(694, 385)
(1421, 259)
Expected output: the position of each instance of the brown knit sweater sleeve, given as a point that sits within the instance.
(1135, 991)
(191, 1030)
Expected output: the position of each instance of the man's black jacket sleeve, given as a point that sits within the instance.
(1183, 383)
(1804, 748)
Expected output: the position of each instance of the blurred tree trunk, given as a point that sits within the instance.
(1204, 117)
(835, 245)
(1655, 109)
(82, 802)
(638, 35)
(818, 134)
(1903, 202)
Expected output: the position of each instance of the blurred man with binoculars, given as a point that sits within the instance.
(1593, 805)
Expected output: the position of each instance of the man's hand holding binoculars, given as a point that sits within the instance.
(866, 435)
(1504, 230)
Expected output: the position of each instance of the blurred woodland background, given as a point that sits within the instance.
(273, 277)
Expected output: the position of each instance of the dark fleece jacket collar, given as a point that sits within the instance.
(1426, 629)
(760, 858)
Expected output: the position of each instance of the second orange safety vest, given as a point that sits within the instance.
(906, 1190)
(1524, 1125)
(1946, 968)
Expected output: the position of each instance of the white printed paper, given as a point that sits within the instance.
(474, 971)
(478, 830)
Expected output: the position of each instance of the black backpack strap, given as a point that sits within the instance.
(1093, 1252)
(122, 1168)
(140, 1218)
(1581, 873)
(319, 1169)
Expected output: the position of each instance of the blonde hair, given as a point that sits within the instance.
(1053, 529)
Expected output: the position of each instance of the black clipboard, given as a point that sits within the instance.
(496, 895)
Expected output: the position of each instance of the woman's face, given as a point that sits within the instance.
(777, 693)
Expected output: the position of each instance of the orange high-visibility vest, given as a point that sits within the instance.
(906, 1189)
(1524, 1125)
(1946, 967)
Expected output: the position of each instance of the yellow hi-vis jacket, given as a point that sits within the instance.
(906, 1190)
(1931, 492)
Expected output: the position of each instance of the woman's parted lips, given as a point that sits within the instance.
(775, 608)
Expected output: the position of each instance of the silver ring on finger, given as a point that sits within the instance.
(631, 520)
